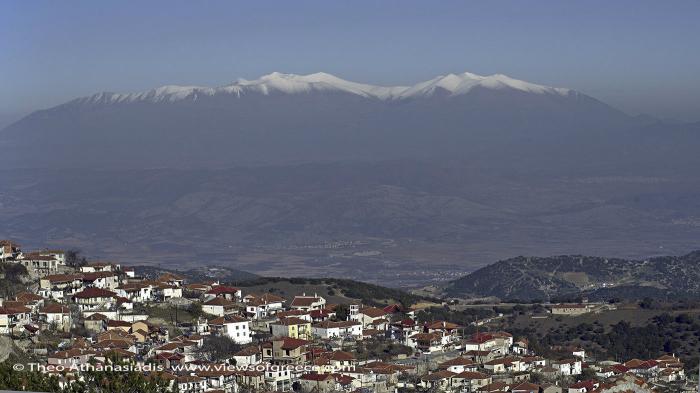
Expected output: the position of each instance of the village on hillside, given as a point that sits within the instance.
(195, 336)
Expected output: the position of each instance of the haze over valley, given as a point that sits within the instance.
(414, 184)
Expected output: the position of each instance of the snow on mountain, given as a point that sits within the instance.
(463, 83)
(320, 81)
(277, 82)
(283, 118)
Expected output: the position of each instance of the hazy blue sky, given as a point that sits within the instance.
(641, 56)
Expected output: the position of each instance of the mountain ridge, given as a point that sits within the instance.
(276, 82)
(285, 118)
(600, 278)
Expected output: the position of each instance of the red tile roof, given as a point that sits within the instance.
(373, 312)
(55, 308)
(62, 277)
(11, 310)
(291, 321)
(219, 301)
(438, 325)
(458, 361)
(222, 290)
(471, 375)
(28, 297)
(526, 387)
(293, 343)
(227, 319)
(438, 375)
(304, 301)
(93, 292)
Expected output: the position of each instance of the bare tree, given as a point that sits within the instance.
(74, 259)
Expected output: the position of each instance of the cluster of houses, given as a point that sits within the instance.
(39, 262)
(301, 343)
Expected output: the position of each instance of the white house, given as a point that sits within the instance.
(172, 279)
(99, 267)
(218, 306)
(11, 316)
(42, 265)
(71, 357)
(58, 286)
(458, 365)
(247, 356)
(58, 255)
(191, 384)
(136, 292)
(9, 250)
(308, 303)
(235, 327)
(490, 341)
(30, 300)
(226, 292)
(105, 280)
(57, 315)
(330, 329)
(262, 306)
(567, 366)
(164, 291)
(425, 342)
(448, 331)
(279, 378)
(369, 316)
(94, 299)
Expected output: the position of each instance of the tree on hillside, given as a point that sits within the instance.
(12, 379)
(11, 282)
(74, 259)
(342, 312)
(218, 348)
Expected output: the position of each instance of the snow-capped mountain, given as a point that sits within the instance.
(282, 118)
(276, 82)
(288, 160)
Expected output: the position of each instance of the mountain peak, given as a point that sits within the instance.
(318, 76)
(458, 84)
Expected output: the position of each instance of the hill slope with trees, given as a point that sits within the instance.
(558, 277)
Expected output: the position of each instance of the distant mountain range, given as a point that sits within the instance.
(315, 174)
(321, 82)
(568, 276)
(285, 118)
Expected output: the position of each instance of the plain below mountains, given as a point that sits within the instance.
(570, 276)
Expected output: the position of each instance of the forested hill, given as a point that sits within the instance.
(334, 289)
(202, 273)
(550, 278)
